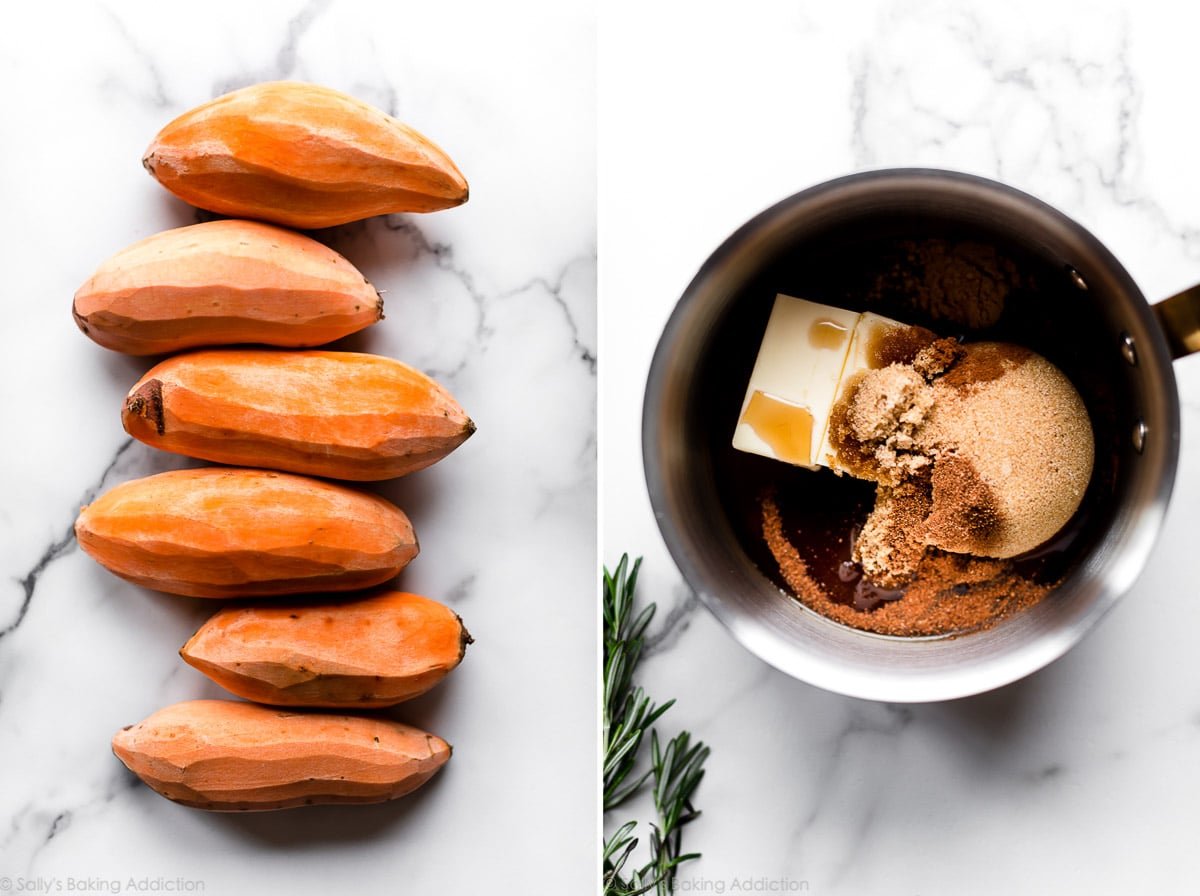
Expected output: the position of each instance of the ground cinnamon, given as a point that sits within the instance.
(950, 594)
(964, 283)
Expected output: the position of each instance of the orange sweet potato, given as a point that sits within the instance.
(226, 756)
(338, 414)
(243, 533)
(224, 282)
(301, 155)
(375, 651)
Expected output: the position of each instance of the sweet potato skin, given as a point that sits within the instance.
(301, 155)
(224, 533)
(367, 652)
(222, 283)
(229, 756)
(343, 415)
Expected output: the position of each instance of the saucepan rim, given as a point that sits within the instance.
(1108, 577)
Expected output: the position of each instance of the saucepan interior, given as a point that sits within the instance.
(1084, 313)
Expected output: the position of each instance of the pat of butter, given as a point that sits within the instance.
(809, 352)
(863, 354)
(797, 372)
(784, 428)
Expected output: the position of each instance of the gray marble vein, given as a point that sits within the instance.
(554, 288)
(157, 96)
(89, 652)
(52, 823)
(460, 591)
(856, 798)
(63, 545)
(442, 255)
(287, 58)
(670, 624)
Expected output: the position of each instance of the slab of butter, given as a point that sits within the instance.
(868, 331)
(807, 353)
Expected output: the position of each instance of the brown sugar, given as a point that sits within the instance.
(1029, 443)
(937, 357)
(980, 453)
(873, 427)
(949, 594)
(898, 345)
(995, 435)
(891, 545)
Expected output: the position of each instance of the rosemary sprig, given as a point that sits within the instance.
(675, 770)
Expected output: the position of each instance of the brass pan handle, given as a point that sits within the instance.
(1179, 317)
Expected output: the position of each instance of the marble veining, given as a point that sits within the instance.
(63, 545)
(668, 628)
(496, 299)
(1035, 787)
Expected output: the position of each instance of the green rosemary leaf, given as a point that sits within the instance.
(675, 770)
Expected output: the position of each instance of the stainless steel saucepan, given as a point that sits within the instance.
(1132, 342)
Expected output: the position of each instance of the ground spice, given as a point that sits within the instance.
(961, 282)
(951, 593)
(965, 510)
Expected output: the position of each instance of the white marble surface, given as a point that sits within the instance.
(1084, 778)
(496, 299)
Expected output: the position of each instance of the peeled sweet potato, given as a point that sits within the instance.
(227, 756)
(244, 533)
(224, 282)
(301, 155)
(343, 415)
(375, 651)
